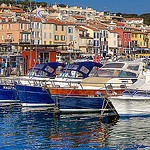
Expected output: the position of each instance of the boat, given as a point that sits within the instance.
(135, 100)
(78, 90)
(31, 89)
(8, 93)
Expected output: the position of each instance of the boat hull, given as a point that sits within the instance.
(8, 95)
(32, 96)
(77, 100)
(131, 106)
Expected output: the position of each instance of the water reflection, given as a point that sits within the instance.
(43, 129)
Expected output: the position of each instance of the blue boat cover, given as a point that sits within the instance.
(49, 67)
(82, 67)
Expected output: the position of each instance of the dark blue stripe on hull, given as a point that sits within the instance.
(33, 95)
(81, 102)
(8, 92)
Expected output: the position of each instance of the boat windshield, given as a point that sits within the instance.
(114, 73)
(114, 65)
(37, 73)
(142, 93)
(70, 74)
(129, 92)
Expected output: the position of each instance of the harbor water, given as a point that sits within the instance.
(42, 129)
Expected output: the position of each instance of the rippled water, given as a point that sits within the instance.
(44, 130)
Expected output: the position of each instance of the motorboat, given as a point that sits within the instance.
(135, 100)
(31, 88)
(8, 93)
(79, 90)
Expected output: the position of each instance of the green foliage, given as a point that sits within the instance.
(146, 17)
(25, 3)
(61, 5)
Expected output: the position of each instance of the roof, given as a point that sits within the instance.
(138, 32)
(133, 18)
(17, 11)
(10, 7)
(112, 31)
(91, 28)
(79, 17)
(120, 24)
(80, 28)
(70, 23)
(36, 19)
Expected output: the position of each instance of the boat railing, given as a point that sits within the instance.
(62, 84)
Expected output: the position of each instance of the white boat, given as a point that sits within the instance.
(135, 100)
(77, 93)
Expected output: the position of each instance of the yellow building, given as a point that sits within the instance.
(138, 39)
(48, 31)
(148, 37)
(59, 33)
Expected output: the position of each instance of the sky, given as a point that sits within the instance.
(114, 6)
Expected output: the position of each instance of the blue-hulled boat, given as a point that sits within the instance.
(8, 93)
(72, 97)
(77, 91)
(31, 89)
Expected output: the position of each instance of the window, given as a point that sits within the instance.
(38, 25)
(125, 44)
(50, 26)
(62, 37)
(125, 35)
(62, 28)
(70, 30)
(94, 43)
(21, 26)
(94, 35)
(141, 43)
(2, 38)
(56, 37)
(27, 26)
(2, 26)
(38, 34)
(135, 35)
(140, 36)
(129, 36)
(8, 26)
(97, 43)
(70, 37)
(44, 26)
(97, 35)
(56, 27)
(114, 42)
(144, 43)
(114, 34)
(50, 35)
(44, 34)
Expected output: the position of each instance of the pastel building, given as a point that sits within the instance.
(112, 42)
(85, 42)
(60, 34)
(139, 39)
(95, 34)
(48, 31)
(36, 30)
(15, 32)
(124, 41)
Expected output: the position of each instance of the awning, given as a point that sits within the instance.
(25, 32)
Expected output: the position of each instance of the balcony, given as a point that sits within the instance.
(8, 40)
(90, 44)
(24, 41)
(103, 42)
